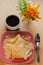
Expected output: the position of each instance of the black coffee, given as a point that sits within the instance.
(12, 20)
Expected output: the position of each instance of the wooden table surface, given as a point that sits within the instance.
(8, 7)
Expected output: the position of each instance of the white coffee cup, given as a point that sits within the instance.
(12, 22)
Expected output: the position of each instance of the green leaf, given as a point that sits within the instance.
(22, 4)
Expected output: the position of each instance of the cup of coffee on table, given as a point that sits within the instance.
(12, 22)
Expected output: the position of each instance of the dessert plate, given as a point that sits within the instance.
(16, 60)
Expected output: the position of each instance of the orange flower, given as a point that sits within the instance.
(31, 11)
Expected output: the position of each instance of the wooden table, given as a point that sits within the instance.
(8, 7)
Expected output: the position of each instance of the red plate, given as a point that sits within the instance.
(16, 60)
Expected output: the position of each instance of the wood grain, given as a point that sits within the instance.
(8, 7)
